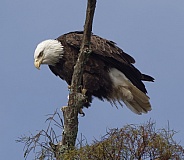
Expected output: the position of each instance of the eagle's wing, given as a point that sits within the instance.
(110, 53)
(99, 45)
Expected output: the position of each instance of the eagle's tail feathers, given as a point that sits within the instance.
(135, 100)
(124, 90)
(133, 107)
(140, 101)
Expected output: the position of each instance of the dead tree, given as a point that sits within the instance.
(76, 97)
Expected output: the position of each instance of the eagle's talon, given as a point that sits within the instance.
(81, 112)
(84, 91)
(69, 87)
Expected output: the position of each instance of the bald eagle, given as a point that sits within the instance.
(108, 74)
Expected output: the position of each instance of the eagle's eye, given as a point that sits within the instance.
(41, 54)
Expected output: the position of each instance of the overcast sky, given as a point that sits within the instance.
(150, 31)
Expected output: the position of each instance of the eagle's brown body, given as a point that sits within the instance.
(106, 61)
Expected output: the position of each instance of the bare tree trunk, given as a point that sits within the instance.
(76, 98)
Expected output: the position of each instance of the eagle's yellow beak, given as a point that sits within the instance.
(37, 63)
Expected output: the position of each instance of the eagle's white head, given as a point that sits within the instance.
(48, 52)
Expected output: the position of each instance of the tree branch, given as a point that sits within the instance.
(76, 98)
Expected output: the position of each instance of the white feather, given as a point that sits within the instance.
(124, 90)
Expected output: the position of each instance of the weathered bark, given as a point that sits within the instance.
(76, 98)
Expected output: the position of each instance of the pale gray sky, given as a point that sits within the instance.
(150, 31)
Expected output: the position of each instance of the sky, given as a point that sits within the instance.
(150, 31)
